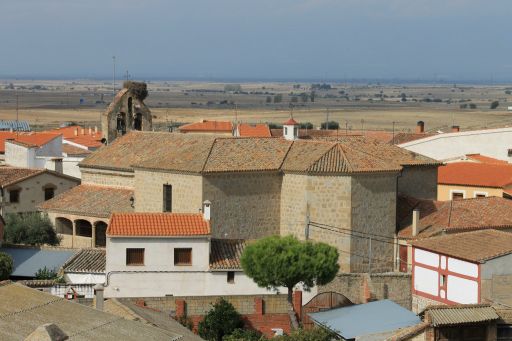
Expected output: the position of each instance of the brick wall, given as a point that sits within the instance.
(373, 213)
(244, 205)
(359, 287)
(261, 313)
(102, 177)
(186, 191)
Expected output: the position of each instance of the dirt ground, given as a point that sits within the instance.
(372, 106)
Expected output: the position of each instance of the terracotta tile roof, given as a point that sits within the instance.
(476, 246)
(86, 140)
(89, 200)
(71, 150)
(226, 253)
(254, 130)
(158, 224)
(454, 216)
(207, 126)
(475, 174)
(486, 159)
(207, 154)
(87, 260)
(76, 130)
(290, 122)
(443, 315)
(246, 154)
(34, 139)
(12, 175)
(4, 135)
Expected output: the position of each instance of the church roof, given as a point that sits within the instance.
(209, 154)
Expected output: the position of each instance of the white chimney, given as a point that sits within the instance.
(76, 131)
(90, 131)
(95, 129)
(415, 222)
(206, 209)
(98, 292)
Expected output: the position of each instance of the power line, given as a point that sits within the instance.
(345, 229)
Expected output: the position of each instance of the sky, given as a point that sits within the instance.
(258, 39)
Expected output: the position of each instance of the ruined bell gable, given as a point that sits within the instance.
(127, 112)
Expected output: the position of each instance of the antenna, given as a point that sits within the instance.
(127, 75)
(17, 115)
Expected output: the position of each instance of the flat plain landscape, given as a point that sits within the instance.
(375, 106)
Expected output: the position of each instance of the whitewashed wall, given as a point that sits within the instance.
(490, 142)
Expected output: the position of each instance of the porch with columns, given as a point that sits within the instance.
(80, 231)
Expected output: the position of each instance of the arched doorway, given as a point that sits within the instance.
(64, 226)
(101, 230)
(83, 228)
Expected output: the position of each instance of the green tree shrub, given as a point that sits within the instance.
(330, 125)
(276, 261)
(495, 104)
(29, 228)
(46, 273)
(6, 266)
(220, 321)
(245, 335)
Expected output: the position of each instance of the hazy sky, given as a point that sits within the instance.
(292, 39)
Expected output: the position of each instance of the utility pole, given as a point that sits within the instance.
(393, 140)
(127, 75)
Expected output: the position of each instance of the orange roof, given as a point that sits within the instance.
(158, 224)
(72, 150)
(85, 140)
(290, 122)
(475, 174)
(253, 130)
(208, 126)
(4, 135)
(71, 130)
(486, 159)
(30, 139)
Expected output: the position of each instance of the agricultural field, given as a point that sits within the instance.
(368, 106)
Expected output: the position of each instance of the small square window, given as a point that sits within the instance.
(183, 256)
(134, 256)
(442, 280)
(49, 193)
(231, 277)
(457, 196)
(14, 195)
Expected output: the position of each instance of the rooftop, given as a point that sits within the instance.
(404, 137)
(34, 139)
(254, 130)
(443, 315)
(87, 261)
(485, 159)
(28, 260)
(90, 200)
(158, 224)
(208, 126)
(476, 246)
(24, 309)
(12, 175)
(475, 174)
(209, 154)
(454, 216)
(71, 150)
(226, 253)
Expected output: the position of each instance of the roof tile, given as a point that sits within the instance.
(208, 126)
(475, 174)
(226, 253)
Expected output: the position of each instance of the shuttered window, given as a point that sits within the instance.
(167, 198)
(134, 256)
(183, 256)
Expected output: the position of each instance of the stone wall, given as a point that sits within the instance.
(186, 191)
(419, 182)
(359, 287)
(100, 177)
(327, 199)
(419, 303)
(373, 215)
(243, 205)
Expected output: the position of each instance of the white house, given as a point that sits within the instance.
(462, 268)
(496, 143)
(159, 254)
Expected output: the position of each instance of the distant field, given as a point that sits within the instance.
(48, 103)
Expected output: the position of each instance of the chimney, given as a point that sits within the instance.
(455, 129)
(83, 131)
(420, 127)
(90, 131)
(98, 293)
(59, 166)
(95, 130)
(76, 131)
(206, 209)
(415, 222)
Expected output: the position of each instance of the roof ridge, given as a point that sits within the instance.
(323, 155)
(207, 158)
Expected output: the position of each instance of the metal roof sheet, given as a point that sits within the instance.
(15, 125)
(28, 260)
(364, 319)
(450, 315)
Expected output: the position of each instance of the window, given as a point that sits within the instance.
(49, 193)
(231, 277)
(504, 333)
(167, 198)
(137, 122)
(480, 194)
(183, 256)
(510, 152)
(442, 280)
(286, 130)
(134, 256)
(14, 195)
(457, 195)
